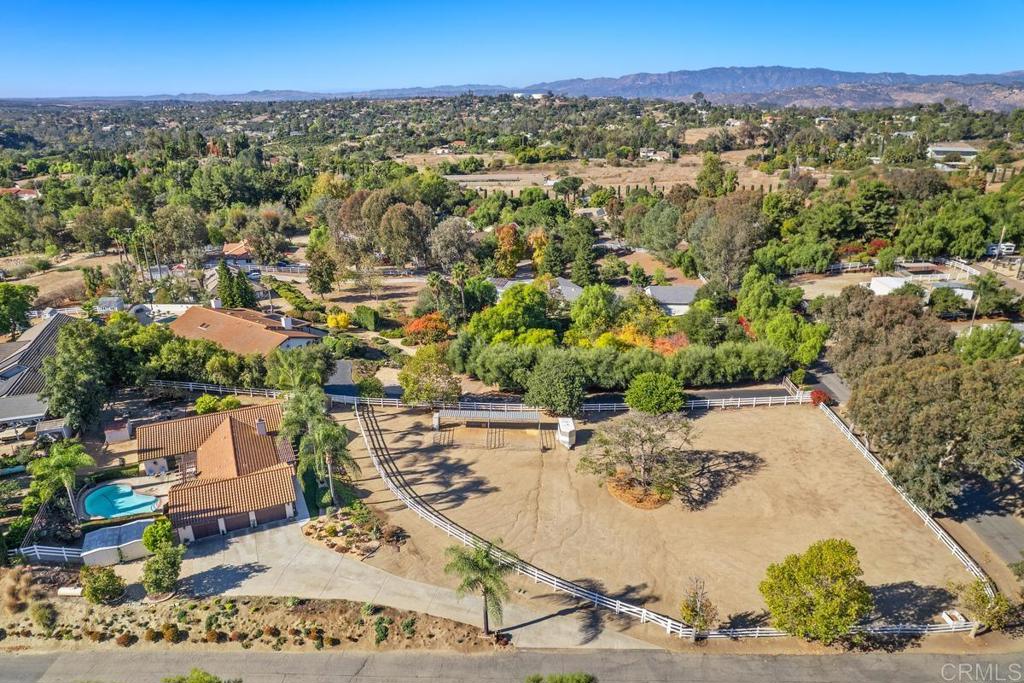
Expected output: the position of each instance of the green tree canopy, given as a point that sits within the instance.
(818, 594)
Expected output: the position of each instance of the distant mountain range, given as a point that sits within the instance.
(777, 85)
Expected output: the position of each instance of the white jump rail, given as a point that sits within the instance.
(966, 560)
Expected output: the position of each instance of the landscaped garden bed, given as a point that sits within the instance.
(36, 618)
(355, 530)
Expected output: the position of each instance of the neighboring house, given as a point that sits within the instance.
(650, 154)
(235, 473)
(21, 379)
(886, 284)
(594, 213)
(244, 331)
(940, 151)
(561, 288)
(237, 253)
(673, 299)
(22, 193)
(961, 289)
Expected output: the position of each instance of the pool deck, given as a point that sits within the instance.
(156, 486)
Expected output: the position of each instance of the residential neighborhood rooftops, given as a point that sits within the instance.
(21, 378)
(187, 434)
(240, 330)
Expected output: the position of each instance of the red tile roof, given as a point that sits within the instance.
(237, 329)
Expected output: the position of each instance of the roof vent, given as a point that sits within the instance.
(261, 426)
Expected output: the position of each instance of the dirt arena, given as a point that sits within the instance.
(801, 481)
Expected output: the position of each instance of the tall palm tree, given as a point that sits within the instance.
(434, 285)
(480, 572)
(303, 409)
(460, 273)
(327, 443)
(57, 470)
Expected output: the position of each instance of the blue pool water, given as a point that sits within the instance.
(117, 500)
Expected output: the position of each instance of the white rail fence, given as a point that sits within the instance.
(695, 404)
(297, 269)
(941, 533)
(49, 553)
(389, 472)
(671, 626)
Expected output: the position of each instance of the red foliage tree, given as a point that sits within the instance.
(427, 329)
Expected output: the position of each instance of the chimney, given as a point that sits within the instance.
(261, 426)
(286, 322)
(215, 303)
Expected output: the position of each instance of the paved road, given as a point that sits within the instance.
(994, 511)
(608, 666)
(822, 376)
(278, 560)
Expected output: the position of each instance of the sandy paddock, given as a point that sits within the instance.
(807, 483)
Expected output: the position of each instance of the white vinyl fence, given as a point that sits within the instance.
(617, 406)
(49, 553)
(941, 533)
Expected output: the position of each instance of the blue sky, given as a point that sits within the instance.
(119, 47)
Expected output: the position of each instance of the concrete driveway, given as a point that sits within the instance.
(278, 560)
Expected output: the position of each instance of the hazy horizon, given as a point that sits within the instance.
(117, 48)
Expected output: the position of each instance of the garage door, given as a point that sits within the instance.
(204, 529)
(235, 522)
(270, 514)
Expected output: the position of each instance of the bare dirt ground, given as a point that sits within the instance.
(65, 279)
(815, 285)
(806, 483)
(664, 173)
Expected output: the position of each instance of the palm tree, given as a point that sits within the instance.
(304, 408)
(58, 469)
(434, 285)
(480, 572)
(460, 273)
(292, 369)
(327, 443)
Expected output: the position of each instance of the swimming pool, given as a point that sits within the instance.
(117, 500)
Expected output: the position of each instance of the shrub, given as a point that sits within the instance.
(428, 329)
(101, 585)
(125, 639)
(158, 534)
(171, 633)
(798, 376)
(44, 616)
(366, 317)
(655, 393)
(213, 636)
(409, 627)
(160, 573)
(207, 403)
(381, 629)
(271, 631)
(339, 321)
(370, 387)
(819, 396)
(150, 635)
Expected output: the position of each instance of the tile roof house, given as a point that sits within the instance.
(237, 253)
(244, 331)
(235, 473)
(21, 378)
